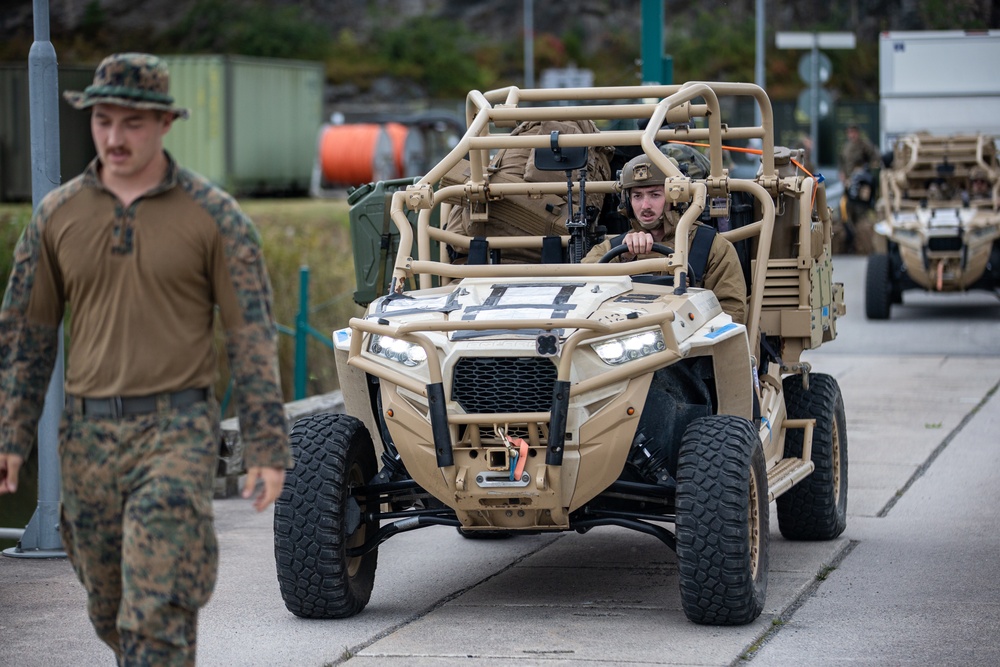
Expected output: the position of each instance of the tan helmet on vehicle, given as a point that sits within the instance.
(979, 174)
(639, 172)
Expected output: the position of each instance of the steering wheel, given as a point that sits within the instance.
(622, 249)
(645, 277)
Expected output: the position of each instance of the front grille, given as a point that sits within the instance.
(491, 385)
(944, 243)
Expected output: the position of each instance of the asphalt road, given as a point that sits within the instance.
(913, 580)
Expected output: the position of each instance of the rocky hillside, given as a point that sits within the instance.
(435, 48)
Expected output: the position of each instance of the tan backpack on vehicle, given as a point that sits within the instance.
(535, 215)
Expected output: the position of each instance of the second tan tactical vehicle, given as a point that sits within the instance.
(541, 396)
(940, 219)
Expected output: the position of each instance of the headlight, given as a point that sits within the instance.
(396, 350)
(633, 346)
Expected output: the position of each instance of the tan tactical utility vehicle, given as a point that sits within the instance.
(940, 218)
(522, 398)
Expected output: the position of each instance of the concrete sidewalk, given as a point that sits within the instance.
(922, 585)
(917, 585)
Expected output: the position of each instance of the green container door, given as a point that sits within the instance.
(199, 143)
(277, 109)
(253, 121)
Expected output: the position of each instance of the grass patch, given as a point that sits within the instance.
(13, 219)
(309, 233)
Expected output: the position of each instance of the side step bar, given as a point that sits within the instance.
(791, 471)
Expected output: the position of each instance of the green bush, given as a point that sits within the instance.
(13, 219)
(262, 30)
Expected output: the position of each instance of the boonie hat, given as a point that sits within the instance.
(135, 80)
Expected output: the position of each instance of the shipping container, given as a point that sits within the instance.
(253, 121)
(938, 81)
(76, 148)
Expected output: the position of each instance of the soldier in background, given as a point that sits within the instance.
(858, 160)
(979, 183)
(143, 251)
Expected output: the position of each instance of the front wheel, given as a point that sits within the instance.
(816, 507)
(878, 287)
(722, 521)
(316, 519)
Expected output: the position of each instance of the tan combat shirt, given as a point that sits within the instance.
(142, 284)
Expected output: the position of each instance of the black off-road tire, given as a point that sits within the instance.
(722, 521)
(333, 454)
(878, 287)
(816, 507)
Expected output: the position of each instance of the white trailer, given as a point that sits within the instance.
(938, 81)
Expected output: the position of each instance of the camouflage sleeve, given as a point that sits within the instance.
(724, 276)
(28, 348)
(251, 339)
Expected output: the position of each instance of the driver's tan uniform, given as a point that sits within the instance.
(723, 273)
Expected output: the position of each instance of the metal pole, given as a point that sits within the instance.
(652, 42)
(529, 43)
(302, 334)
(814, 101)
(41, 536)
(758, 67)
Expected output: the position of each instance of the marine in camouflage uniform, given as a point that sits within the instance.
(143, 275)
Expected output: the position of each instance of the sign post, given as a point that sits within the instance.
(815, 68)
(40, 538)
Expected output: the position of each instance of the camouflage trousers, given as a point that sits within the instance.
(137, 525)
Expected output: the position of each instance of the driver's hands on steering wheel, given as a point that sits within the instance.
(638, 243)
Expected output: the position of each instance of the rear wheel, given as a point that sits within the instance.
(722, 521)
(316, 519)
(878, 287)
(816, 507)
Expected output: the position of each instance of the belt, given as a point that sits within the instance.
(117, 407)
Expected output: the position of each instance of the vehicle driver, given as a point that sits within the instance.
(979, 183)
(654, 220)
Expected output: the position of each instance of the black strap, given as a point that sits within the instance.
(385, 246)
(701, 247)
(552, 250)
(479, 250)
(768, 352)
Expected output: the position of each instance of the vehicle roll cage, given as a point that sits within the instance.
(675, 104)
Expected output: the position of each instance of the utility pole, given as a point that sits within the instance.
(41, 536)
(814, 73)
(758, 65)
(529, 43)
(656, 68)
